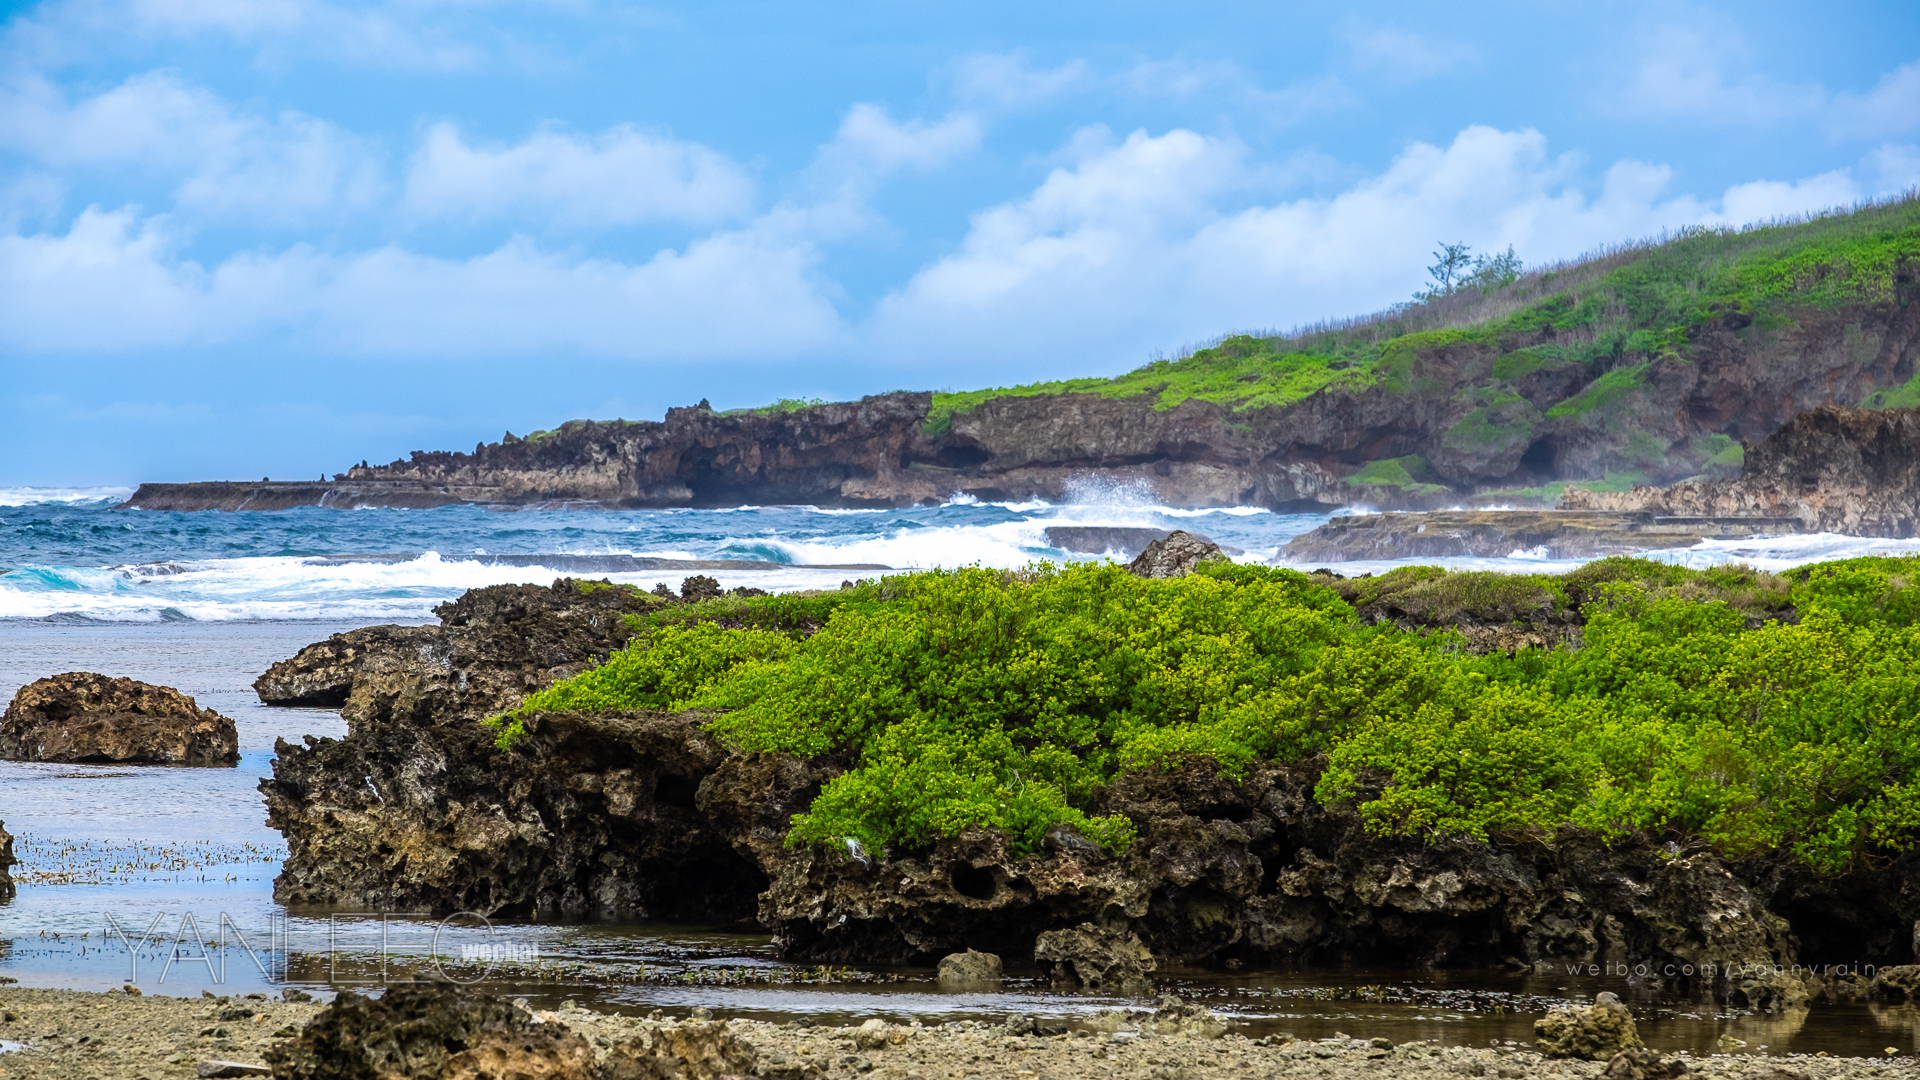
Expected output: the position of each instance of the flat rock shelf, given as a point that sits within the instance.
(1557, 534)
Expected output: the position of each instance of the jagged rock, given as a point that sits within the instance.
(700, 587)
(699, 1051)
(1831, 469)
(1095, 958)
(970, 968)
(1175, 556)
(1590, 1032)
(1901, 983)
(493, 647)
(430, 1031)
(1643, 1064)
(7, 862)
(647, 814)
(81, 717)
(1559, 534)
(322, 675)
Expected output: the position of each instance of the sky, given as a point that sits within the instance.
(249, 238)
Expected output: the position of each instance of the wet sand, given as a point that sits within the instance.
(111, 1036)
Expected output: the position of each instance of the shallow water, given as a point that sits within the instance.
(107, 849)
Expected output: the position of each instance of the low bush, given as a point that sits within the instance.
(981, 697)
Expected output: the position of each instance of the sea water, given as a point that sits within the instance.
(163, 877)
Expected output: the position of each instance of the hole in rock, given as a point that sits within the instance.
(1538, 460)
(962, 457)
(672, 789)
(974, 881)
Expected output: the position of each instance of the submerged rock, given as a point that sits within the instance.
(970, 968)
(1095, 958)
(1174, 556)
(430, 1031)
(1594, 1032)
(84, 717)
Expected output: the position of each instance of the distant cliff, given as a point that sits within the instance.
(1650, 365)
(1853, 471)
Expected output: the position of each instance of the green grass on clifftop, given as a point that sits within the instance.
(1619, 310)
(1003, 699)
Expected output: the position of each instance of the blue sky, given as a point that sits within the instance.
(274, 237)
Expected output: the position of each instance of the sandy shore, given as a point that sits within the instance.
(112, 1036)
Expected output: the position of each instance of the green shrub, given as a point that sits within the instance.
(1002, 699)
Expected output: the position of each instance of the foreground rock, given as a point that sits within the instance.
(970, 968)
(84, 717)
(1590, 1032)
(645, 814)
(429, 1032)
(7, 862)
(73, 1035)
(1095, 958)
(1555, 534)
(1832, 469)
(1174, 556)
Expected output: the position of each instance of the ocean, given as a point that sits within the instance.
(128, 871)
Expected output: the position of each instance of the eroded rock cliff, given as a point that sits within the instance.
(628, 814)
(1411, 421)
(1831, 469)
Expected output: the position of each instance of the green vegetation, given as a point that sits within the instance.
(1625, 307)
(1752, 711)
(1243, 371)
(1411, 474)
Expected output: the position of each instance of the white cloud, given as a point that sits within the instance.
(1226, 81)
(1008, 80)
(115, 282)
(623, 176)
(420, 36)
(1404, 56)
(1688, 71)
(279, 169)
(1895, 168)
(1891, 107)
(1707, 73)
(1763, 200)
(873, 142)
(1134, 246)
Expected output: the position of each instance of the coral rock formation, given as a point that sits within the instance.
(84, 717)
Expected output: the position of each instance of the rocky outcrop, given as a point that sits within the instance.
(1553, 534)
(1093, 957)
(431, 1031)
(84, 717)
(970, 968)
(493, 647)
(1590, 1032)
(644, 814)
(1853, 471)
(7, 862)
(1174, 556)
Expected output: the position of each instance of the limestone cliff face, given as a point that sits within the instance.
(1479, 413)
(1854, 471)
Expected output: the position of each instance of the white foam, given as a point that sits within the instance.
(43, 496)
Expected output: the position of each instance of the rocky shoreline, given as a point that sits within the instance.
(78, 1035)
(640, 814)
